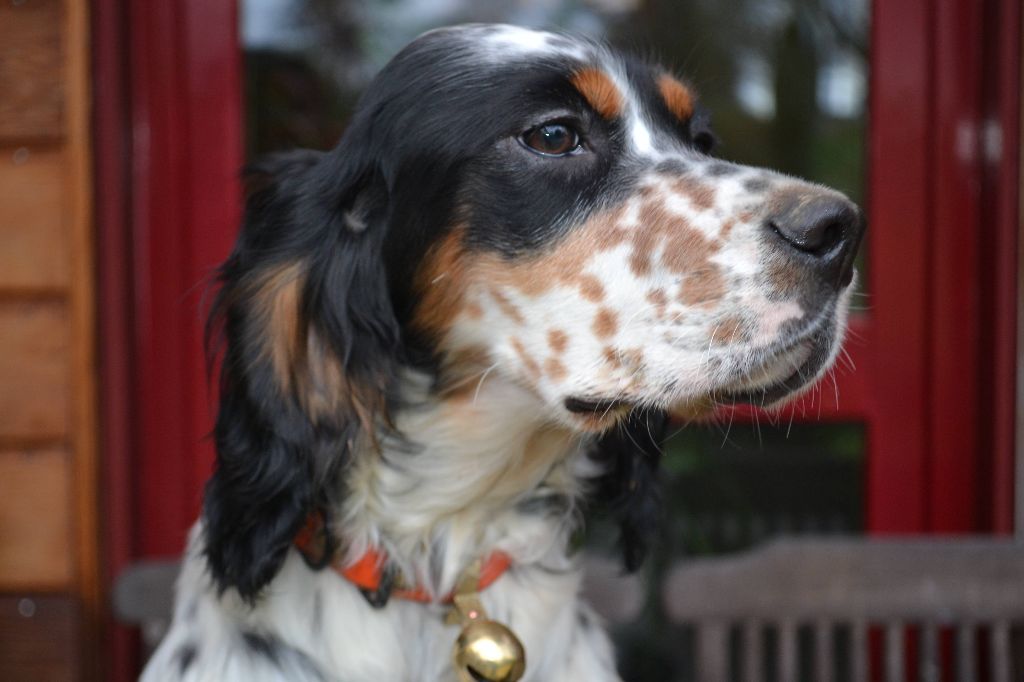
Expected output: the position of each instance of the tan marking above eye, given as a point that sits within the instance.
(598, 88)
(677, 97)
(606, 323)
(558, 340)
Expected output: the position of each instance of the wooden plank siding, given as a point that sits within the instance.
(33, 76)
(49, 548)
(33, 230)
(35, 520)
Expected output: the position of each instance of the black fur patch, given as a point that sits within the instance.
(630, 486)
(756, 185)
(285, 658)
(262, 645)
(721, 169)
(186, 656)
(276, 462)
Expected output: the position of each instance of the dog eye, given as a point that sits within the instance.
(552, 139)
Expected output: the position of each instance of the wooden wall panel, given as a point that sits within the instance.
(34, 371)
(39, 638)
(36, 544)
(31, 69)
(32, 227)
(48, 393)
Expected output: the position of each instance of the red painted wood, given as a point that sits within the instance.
(944, 234)
(157, 157)
(954, 240)
(111, 152)
(1002, 166)
(214, 96)
(187, 150)
(898, 188)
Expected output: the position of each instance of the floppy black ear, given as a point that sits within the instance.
(310, 346)
(631, 483)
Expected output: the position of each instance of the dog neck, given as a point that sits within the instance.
(462, 476)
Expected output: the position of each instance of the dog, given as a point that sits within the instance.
(443, 337)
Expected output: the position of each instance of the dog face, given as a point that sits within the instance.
(596, 253)
(514, 203)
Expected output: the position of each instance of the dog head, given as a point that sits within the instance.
(522, 202)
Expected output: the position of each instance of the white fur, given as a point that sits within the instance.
(447, 498)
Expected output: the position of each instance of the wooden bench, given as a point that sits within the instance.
(929, 588)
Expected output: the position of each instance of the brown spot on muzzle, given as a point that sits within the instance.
(662, 238)
(598, 88)
(532, 368)
(555, 369)
(558, 340)
(591, 288)
(660, 301)
(684, 250)
(729, 331)
(677, 97)
(612, 356)
(507, 307)
(659, 238)
(700, 194)
(606, 323)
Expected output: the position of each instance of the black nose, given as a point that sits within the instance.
(823, 229)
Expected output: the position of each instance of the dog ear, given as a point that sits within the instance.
(631, 484)
(310, 346)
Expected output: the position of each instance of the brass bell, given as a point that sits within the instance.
(487, 651)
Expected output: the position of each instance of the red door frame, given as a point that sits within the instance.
(168, 138)
(937, 353)
(945, 84)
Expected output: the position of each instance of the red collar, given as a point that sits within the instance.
(370, 572)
